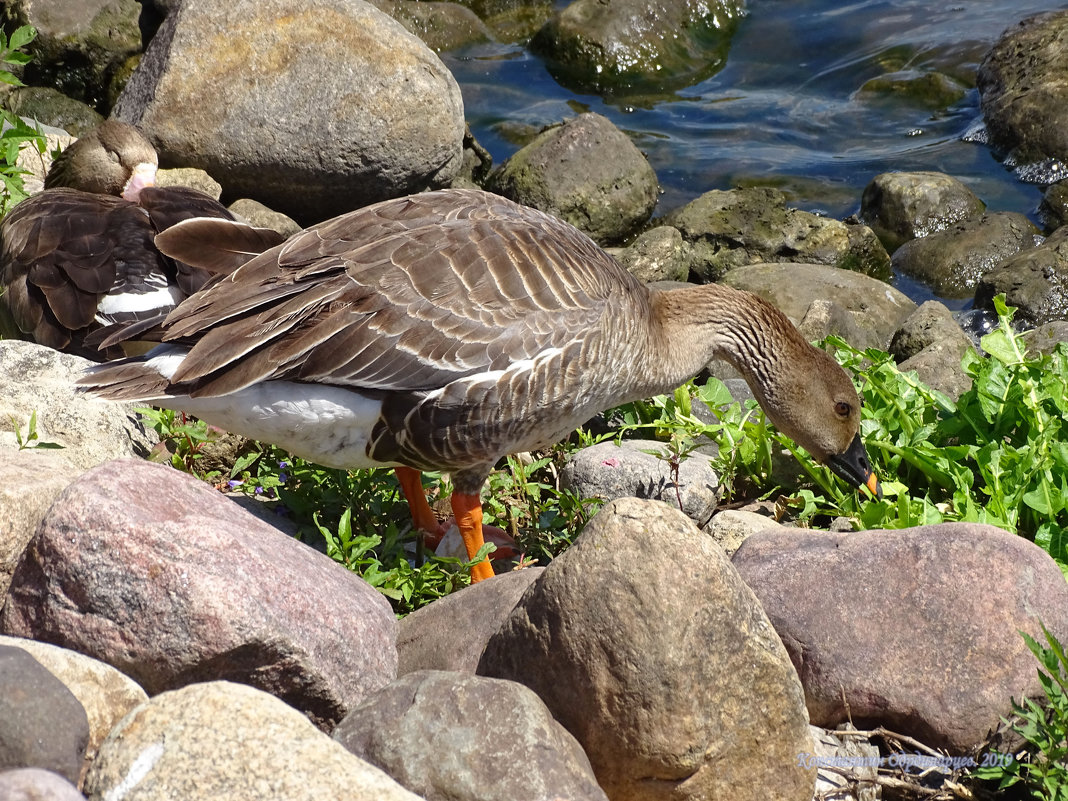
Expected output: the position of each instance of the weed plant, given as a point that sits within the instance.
(1041, 767)
(16, 134)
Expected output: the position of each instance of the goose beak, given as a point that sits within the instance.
(853, 466)
(144, 174)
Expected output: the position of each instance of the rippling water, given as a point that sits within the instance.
(786, 110)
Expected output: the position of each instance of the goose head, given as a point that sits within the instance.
(812, 400)
(113, 159)
(802, 389)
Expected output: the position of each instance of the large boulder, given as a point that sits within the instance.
(458, 737)
(229, 742)
(916, 629)
(862, 310)
(647, 646)
(157, 574)
(628, 45)
(451, 633)
(1034, 281)
(585, 171)
(900, 206)
(952, 261)
(313, 110)
(42, 724)
(80, 46)
(38, 384)
(1022, 90)
(105, 694)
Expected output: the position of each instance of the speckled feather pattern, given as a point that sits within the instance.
(482, 327)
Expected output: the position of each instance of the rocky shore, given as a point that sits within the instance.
(162, 642)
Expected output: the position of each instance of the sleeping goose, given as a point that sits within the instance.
(445, 330)
(80, 254)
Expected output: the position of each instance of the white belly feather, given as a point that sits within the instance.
(327, 425)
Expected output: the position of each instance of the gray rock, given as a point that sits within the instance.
(105, 694)
(51, 107)
(656, 255)
(255, 213)
(627, 470)
(630, 45)
(449, 736)
(452, 632)
(648, 648)
(1047, 336)
(191, 177)
(1035, 281)
(585, 171)
(1022, 90)
(939, 367)
(731, 527)
(34, 784)
(900, 206)
(314, 111)
(952, 261)
(42, 725)
(29, 481)
(870, 311)
(932, 343)
(34, 378)
(1054, 206)
(441, 25)
(931, 322)
(156, 574)
(229, 742)
(728, 229)
(79, 45)
(915, 629)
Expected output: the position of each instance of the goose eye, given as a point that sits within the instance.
(843, 409)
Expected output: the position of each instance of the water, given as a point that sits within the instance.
(785, 110)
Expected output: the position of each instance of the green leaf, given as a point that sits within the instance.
(21, 37)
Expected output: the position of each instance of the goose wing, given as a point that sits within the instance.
(58, 257)
(407, 295)
(169, 205)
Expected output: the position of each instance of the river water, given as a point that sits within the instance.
(786, 109)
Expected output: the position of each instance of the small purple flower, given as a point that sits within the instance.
(259, 490)
(234, 483)
(283, 465)
(282, 478)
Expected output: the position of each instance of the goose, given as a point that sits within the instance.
(444, 330)
(80, 255)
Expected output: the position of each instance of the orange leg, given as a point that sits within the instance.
(468, 512)
(423, 516)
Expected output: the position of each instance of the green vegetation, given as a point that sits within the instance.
(17, 134)
(31, 439)
(1042, 766)
(999, 455)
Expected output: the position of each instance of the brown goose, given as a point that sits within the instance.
(80, 254)
(444, 330)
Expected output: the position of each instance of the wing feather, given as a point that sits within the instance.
(408, 294)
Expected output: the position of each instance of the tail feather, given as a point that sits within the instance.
(125, 380)
(218, 246)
